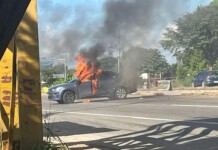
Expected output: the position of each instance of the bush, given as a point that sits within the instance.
(187, 82)
(44, 90)
(59, 81)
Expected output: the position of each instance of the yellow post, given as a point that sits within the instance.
(8, 101)
(29, 87)
(23, 121)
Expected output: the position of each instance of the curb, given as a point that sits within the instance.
(178, 92)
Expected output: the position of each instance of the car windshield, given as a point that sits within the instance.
(213, 73)
(73, 80)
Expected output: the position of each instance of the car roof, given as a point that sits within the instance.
(109, 72)
(209, 71)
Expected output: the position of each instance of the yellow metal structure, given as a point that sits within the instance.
(20, 96)
(6, 98)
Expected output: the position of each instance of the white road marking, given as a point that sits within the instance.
(132, 117)
(198, 106)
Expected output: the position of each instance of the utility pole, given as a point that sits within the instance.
(64, 54)
(118, 59)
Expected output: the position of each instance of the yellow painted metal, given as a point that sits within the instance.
(6, 100)
(26, 125)
(29, 93)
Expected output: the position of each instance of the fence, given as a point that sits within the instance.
(175, 83)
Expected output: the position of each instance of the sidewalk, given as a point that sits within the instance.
(188, 91)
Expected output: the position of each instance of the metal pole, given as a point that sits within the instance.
(118, 64)
(118, 60)
(65, 69)
(65, 65)
(65, 72)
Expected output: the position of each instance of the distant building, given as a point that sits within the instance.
(46, 63)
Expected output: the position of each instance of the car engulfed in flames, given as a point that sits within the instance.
(90, 82)
(88, 71)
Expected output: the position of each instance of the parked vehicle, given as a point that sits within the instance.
(206, 78)
(109, 85)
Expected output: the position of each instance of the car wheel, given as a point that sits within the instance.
(120, 93)
(68, 97)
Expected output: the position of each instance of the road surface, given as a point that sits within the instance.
(150, 122)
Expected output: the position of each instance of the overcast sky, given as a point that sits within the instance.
(71, 25)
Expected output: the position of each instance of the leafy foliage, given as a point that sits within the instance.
(155, 63)
(196, 63)
(47, 75)
(214, 2)
(215, 66)
(195, 40)
(171, 72)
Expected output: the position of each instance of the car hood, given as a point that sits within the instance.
(62, 85)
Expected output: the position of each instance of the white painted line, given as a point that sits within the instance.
(109, 115)
(198, 106)
(133, 117)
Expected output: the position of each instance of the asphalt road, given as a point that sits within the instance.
(153, 123)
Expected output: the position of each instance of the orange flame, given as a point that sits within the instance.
(85, 72)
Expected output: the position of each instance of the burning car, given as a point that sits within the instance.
(106, 84)
(91, 81)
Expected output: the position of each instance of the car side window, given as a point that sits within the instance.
(213, 73)
(203, 75)
(107, 76)
(199, 76)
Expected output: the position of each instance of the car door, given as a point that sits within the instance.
(107, 82)
(85, 89)
(213, 77)
(200, 78)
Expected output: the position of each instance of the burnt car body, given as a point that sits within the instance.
(206, 78)
(109, 85)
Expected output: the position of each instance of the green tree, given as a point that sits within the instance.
(109, 64)
(154, 63)
(191, 66)
(214, 2)
(47, 74)
(181, 71)
(194, 39)
(215, 66)
(196, 63)
(171, 72)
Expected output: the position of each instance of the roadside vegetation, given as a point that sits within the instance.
(194, 41)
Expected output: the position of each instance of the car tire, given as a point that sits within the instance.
(120, 93)
(68, 97)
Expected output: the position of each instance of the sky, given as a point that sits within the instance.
(70, 26)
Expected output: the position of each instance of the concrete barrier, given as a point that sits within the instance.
(164, 85)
